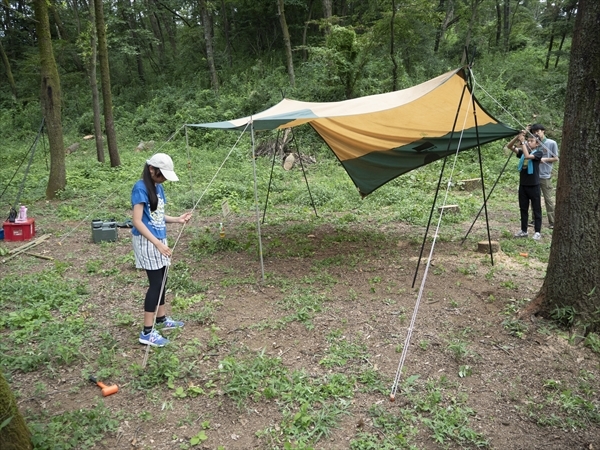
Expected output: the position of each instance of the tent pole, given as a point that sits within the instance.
(260, 252)
(271, 176)
(312, 202)
(488, 197)
(487, 222)
(462, 96)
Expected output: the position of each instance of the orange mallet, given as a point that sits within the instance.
(106, 390)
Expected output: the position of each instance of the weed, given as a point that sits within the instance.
(459, 349)
(515, 327)
(465, 371)
(161, 368)
(424, 344)
(563, 315)
(592, 340)
(81, 428)
(341, 350)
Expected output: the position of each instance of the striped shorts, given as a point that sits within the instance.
(147, 255)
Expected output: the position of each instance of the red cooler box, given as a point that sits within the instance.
(19, 231)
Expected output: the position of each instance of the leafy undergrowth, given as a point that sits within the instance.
(302, 360)
(306, 356)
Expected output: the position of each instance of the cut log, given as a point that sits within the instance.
(484, 247)
(289, 161)
(470, 184)
(72, 148)
(449, 209)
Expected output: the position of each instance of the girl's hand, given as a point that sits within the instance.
(185, 218)
(164, 249)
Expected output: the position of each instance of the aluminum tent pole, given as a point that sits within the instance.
(260, 252)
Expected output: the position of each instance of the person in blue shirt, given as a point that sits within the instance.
(529, 153)
(150, 247)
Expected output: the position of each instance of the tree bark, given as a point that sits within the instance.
(15, 435)
(449, 19)
(287, 43)
(208, 40)
(573, 273)
(109, 121)
(94, 87)
(51, 101)
(9, 75)
(393, 49)
(327, 14)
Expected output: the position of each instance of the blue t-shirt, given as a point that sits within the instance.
(155, 221)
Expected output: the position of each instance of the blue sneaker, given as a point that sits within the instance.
(153, 339)
(169, 324)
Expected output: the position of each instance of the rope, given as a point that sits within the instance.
(396, 382)
(516, 120)
(32, 151)
(164, 281)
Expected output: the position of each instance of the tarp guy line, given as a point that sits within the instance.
(162, 287)
(422, 287)
(513, 117)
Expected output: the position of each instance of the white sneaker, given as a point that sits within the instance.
(521, 234)
(537, 236)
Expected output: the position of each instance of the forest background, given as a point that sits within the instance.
(176, 62)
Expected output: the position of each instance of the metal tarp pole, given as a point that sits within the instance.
(260, 252)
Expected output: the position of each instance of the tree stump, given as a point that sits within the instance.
(484, 246)
(451, 209)
(470, 184)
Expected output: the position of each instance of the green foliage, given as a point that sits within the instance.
(41, 312)
(80, 428)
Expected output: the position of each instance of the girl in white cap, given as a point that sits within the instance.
(150, 243)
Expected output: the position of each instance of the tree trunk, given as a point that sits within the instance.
(305, 30)
(226, 31)
(327, 14)
(498, 23)
(208, 40)
(449, 19)
(393, 49)
(573, 273)
(506, 25)
(109, 122)
(9, 75)
(94, 87)
(15, 435)
(287, 43)
(51, 101)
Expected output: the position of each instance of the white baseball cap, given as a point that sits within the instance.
(163, 162)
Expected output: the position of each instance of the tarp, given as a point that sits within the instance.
(380, 137)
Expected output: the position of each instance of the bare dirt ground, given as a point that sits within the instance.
(365, 283)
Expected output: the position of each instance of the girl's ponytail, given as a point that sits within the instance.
(150, 188)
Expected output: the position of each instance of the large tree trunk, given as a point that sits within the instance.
(15, 435)
(208, 40)
(94, 87)
(573, 274)
(287, 43)
(109, 121)
(51, 101)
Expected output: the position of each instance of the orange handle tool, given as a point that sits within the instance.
(106, 390)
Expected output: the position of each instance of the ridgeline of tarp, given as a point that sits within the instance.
(380, 137)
